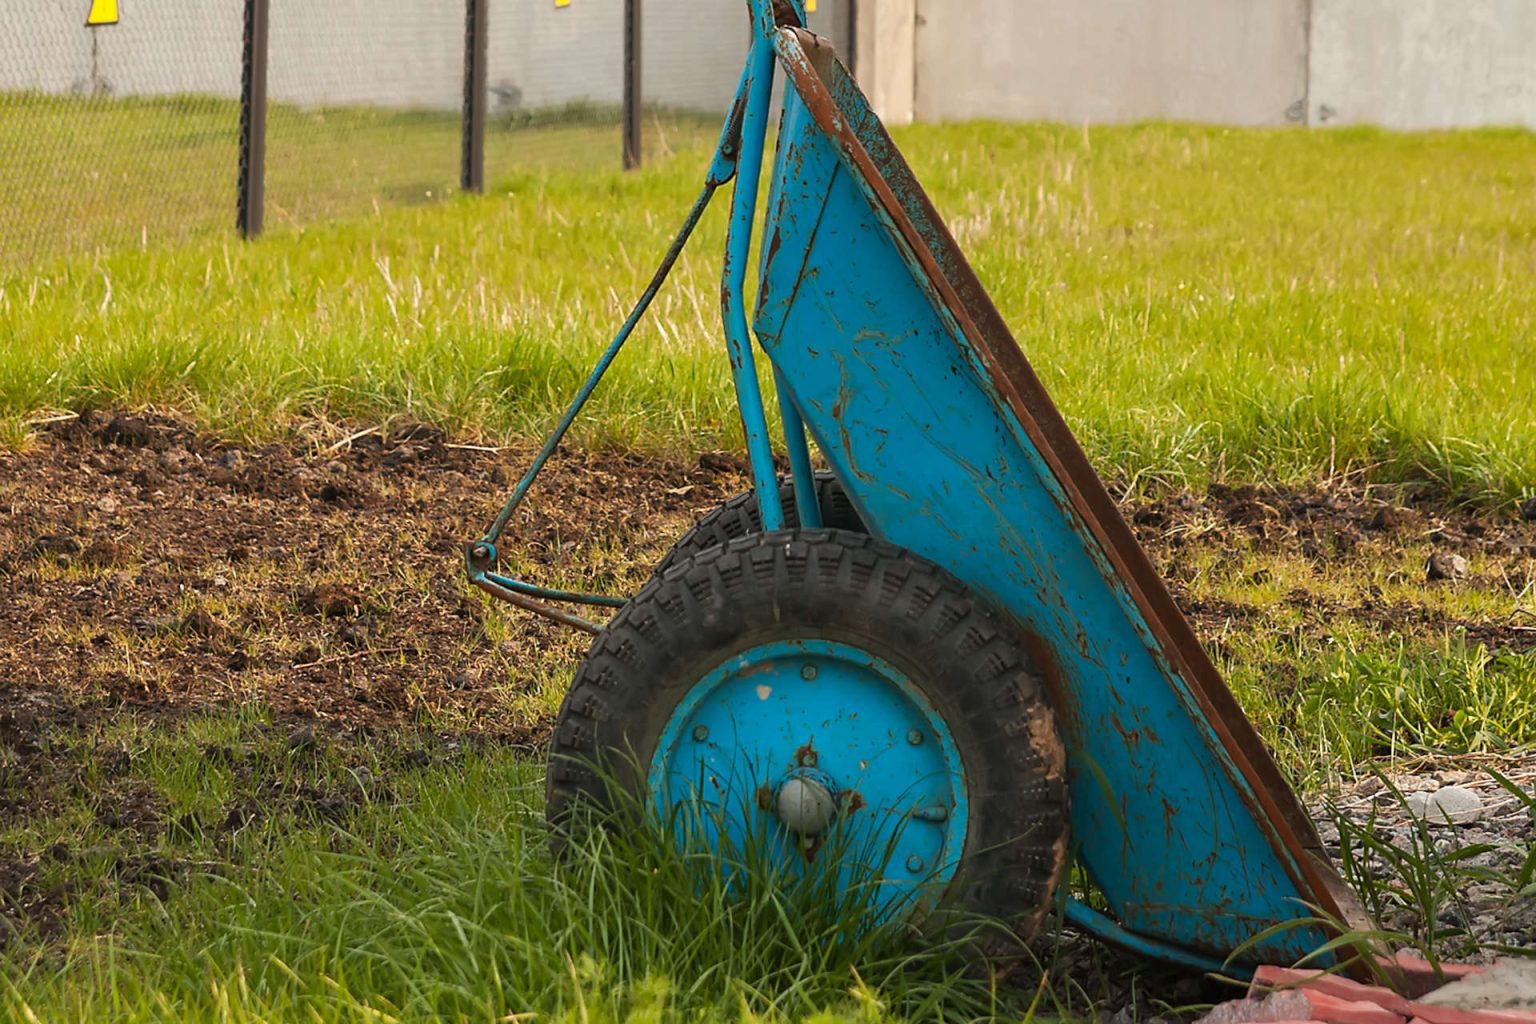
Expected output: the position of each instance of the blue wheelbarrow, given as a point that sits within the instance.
(948, 640)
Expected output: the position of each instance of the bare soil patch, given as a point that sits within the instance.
(151, 566)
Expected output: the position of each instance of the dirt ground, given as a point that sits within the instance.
(149, 566)
(153, 571)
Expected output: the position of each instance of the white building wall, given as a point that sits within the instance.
(1228, 61)
(1424, 63)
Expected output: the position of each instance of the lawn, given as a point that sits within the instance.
(1205, 304)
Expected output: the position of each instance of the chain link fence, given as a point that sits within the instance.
(364, 101)
(555, 85)
(152, 126)
(118, 134)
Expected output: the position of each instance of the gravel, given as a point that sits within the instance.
(1482, 836)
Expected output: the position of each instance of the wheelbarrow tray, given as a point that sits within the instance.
(929, 414)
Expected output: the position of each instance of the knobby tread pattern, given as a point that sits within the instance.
(738, 517)
(968, 659)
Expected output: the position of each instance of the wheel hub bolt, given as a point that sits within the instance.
(807, 802)
(915, 864)
(915, 737)
(700, 733)
(808, 672)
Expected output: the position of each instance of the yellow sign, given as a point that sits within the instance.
(810, 6)
(562, 3)
(103, 12)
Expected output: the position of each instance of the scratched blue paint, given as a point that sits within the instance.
(932, 457)
(784, 706)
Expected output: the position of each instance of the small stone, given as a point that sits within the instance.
(220, 581)
(1507, 985)
(172, 460)
(302, 737)
(129, 431)
(1369, 785)
(54, 544)
(104, 553)
(400, 456)
(330, 599)
(198, 622)
(106, 505)
(1452, 805)
(1528, 510)
(1443, 565)
(1388, 518)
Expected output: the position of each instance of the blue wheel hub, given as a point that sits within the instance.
(807, 745)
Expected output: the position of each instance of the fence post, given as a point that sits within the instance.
(472, 155)
(851, 56)
(251, 201)
(633, 87)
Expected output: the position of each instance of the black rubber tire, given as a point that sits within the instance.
(965, 657)
(738, 517)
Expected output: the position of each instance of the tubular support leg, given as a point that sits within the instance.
(806, 504)
(749, 396)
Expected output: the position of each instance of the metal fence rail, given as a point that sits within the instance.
(187, 117)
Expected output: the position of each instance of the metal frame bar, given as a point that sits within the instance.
(472, 148)
(738, 243)
(634, 87)
(250, 202)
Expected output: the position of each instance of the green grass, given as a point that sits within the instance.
(433, 897)
(1203, 303)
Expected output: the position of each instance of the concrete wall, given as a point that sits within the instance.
(162, 49)
(1424, 63)
(1231, 61)
(887, 54)
(1399, 63)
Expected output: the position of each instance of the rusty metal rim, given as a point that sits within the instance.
(1289, 829)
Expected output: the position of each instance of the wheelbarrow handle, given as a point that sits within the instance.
(769, 15)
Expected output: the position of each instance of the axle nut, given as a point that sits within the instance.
(805, 806)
